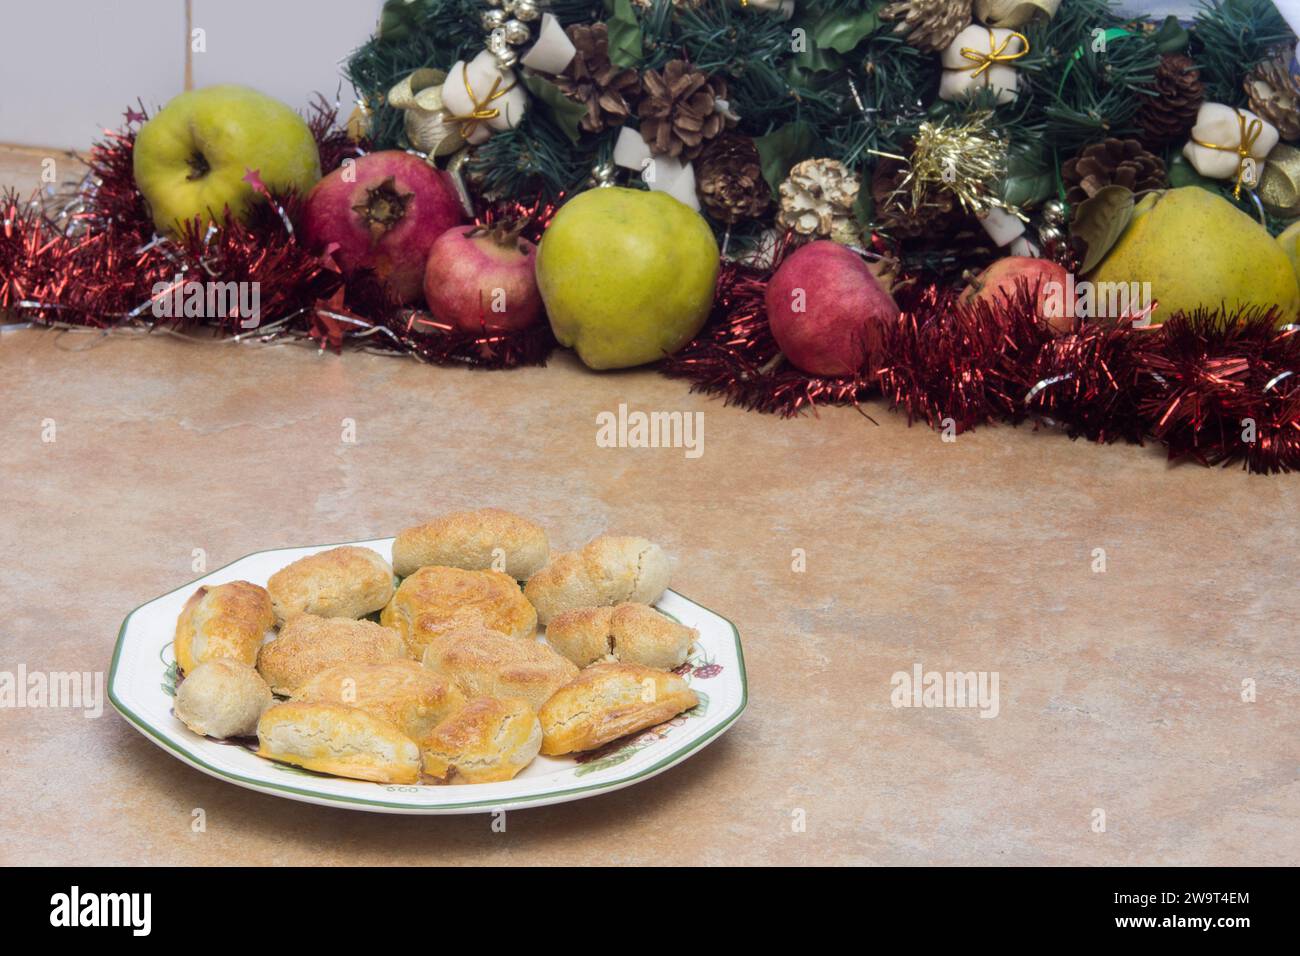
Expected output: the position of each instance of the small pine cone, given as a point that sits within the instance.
(680, 109)
(928, 24)
(729, 179)
(1113, 162)
(894, 214)
(817, 199)
(1169, 115)
(607, 91)
(1274, 94)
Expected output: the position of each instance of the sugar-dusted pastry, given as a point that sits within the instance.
(407, 695)
(609, 570)
(309, 644)
(487, 740)
(608, 701)
(222, 697)
(344, 741)
(436, 600)
(341, 582)
(476, 541)
(222, 620)
(484, 663)
(631, 633)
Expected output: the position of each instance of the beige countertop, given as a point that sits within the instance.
(1120, 691)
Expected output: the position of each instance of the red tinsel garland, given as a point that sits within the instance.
(1212, 388)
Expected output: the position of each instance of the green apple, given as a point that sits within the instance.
(1289, 239)
(191, 158)
(627, 276)
(1197, 250)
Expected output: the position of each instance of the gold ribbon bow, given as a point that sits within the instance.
(483, 110)
(1250, 131)
(981, 61)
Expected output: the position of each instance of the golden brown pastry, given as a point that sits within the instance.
(609, 570)
(608, 701)
(222, 698)
(223, 620)
(473, 540)
(344, 741)
(631, 633)
(341, 582)
(484, 663)
(309, 644)
(488, 740)
(436, 600)
(410, 697)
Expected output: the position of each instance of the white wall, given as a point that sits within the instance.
(71, 67)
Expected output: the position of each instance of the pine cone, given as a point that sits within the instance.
(679, 109)
(1113, 162)
(1275, 94)
(929, 24)
(1170, 115)
(607, 91)
(894, 214)
(817, 199)
(729, 179)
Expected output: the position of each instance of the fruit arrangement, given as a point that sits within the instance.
(978, 211)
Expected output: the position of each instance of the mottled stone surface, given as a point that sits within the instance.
(1118, 690)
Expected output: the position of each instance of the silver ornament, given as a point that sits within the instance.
(602, 174)
(526, 10)
(1054, 212)
(516, 33)
(1050, 235)
(492, 19)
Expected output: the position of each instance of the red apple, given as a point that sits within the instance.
(382, 213)
(483, 280)
(826, 309)
(1047, 280)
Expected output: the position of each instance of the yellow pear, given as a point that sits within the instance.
(1197, 250)
(1289, 239)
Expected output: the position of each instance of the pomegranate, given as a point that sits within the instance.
(382, 213)
(483, 279)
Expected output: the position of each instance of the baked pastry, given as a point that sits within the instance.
(341, 582)
(631, 633)
(408, 696)
(484, 663)
(344, 741)
(309, 644)
(488, 740)
(608, 701)
(474, 540)
(223, 620)
(609, 570)
(436, 600)
(222, 698)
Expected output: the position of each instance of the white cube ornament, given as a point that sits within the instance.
(979, 58)
(483, 97)
(1215, 146)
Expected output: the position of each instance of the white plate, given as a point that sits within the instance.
(143, 675)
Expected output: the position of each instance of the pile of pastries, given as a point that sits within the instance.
(452, 684)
